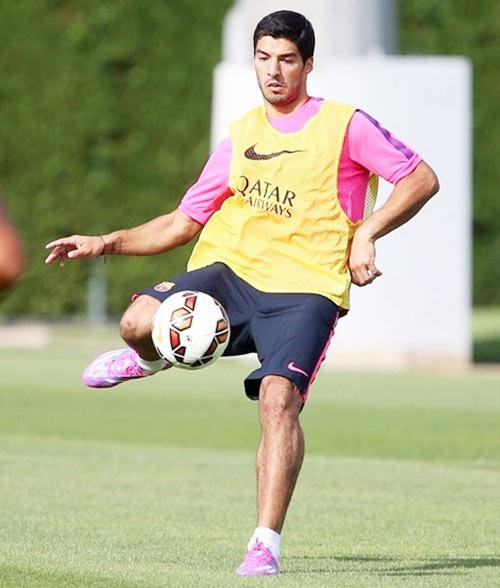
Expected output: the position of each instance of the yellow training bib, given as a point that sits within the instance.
(284, 230)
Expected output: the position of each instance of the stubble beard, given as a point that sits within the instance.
(277, 99)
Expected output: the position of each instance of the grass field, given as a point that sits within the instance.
(151, 484)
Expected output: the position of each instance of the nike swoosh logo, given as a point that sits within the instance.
(250, 153)
(293, 368)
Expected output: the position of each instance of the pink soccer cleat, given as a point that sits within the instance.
(112, 368)
(259, 561)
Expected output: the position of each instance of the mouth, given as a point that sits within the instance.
(275, 85)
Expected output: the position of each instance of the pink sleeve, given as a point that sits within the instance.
(376, 149)
(211, 189)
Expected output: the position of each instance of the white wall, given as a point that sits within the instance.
(418, 312)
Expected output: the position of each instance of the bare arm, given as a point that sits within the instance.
(11, 254)
(156, 236)
(407, 198)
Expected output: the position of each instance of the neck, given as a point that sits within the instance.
(277, 110)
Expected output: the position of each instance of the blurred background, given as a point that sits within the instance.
(108, 111)
(106, 120)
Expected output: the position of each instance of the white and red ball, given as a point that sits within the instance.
(191, 329)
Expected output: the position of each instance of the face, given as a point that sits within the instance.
(281, 73)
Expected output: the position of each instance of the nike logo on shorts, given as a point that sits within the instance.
(250, 153)
(293, 368)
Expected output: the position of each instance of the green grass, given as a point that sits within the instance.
(486, 334)
(151, 484)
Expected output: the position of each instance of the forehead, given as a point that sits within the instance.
(274, 46)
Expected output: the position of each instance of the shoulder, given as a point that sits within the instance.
(334, 117)
(364, 128)
(337, 111)
(362, 121)
(335, 106)
(247, 116)
(377, 149)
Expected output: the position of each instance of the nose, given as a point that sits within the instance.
(274, 70)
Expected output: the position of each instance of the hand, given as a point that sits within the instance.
(74, 247)
(362, 261)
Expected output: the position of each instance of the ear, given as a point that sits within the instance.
(309, 65)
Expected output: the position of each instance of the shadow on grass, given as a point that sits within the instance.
(444, 565)
(390, 566)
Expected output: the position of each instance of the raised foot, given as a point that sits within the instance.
(112, 368)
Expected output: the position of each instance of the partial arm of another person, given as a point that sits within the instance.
(11, 254)
(407, 198)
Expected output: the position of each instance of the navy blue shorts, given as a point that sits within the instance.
(289, 332)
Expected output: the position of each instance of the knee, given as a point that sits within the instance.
(279, 399)
(137, 322)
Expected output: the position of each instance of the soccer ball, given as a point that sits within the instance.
(191, 329)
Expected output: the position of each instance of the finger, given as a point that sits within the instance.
(80, 251)
(64, 241)
(358, 278)
(373, 270)
(363, 276)
(57, 252)
(369, 276)
(364, 283)
(50, 258)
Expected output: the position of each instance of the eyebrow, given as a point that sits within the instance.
(289, 54)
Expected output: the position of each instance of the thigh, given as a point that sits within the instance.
(220, 282)
(292, 333)
(207, 279)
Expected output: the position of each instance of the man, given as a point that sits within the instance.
(281, 206)
(11, 252)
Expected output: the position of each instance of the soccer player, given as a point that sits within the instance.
(282, 209)
(11, 252)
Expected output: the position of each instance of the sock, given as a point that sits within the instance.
(151, 366)
(269, 538)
